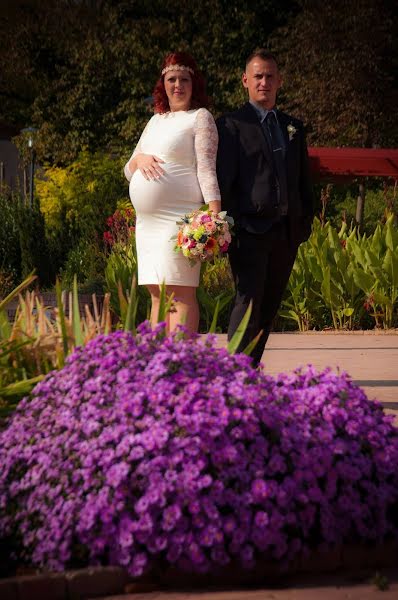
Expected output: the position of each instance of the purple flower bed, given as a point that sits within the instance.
(149, 451)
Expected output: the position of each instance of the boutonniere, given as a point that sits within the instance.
(291, 131)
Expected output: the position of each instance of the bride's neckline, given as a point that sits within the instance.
(179, 112)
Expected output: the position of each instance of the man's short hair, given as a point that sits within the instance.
(261, 53)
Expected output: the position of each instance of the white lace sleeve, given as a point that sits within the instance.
(206, 142)
(137, 150)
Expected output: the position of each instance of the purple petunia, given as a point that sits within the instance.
(160, 449)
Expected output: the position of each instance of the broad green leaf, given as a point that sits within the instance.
(20, 388)
(289, 314)
(76, 322)
(343, 229)
(213, 326)
(162, 303)
(376, 244)
(25, 283)
(391, 235)
(315, 268)
(357, 251)
(236, 339)
(364, 280)
(123, 304)
(61, 315)
(131, 313)
(381, 298)
(5, 327)
(251, 345)
(390, 266)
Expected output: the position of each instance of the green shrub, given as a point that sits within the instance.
(10, 252)
(76, 201)
(216, 285)
(348, 275)
(86, 261)
(338, 204)
(35, 255)
(120, 270)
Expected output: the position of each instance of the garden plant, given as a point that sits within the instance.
(155, 451)
(351, 278)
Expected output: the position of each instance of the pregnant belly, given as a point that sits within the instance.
(177, 188)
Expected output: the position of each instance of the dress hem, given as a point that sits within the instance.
(179, 284)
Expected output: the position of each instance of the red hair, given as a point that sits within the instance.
(199, 97)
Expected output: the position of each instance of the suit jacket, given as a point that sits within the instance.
(247, 176)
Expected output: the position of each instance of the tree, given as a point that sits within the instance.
(339, 63)
(83, 68)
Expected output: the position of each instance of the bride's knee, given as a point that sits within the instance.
(185, 295)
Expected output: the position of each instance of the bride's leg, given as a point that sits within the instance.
(186, 307)
(154, 291)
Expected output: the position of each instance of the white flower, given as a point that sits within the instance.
(291, 131)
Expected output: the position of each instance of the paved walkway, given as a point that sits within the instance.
(327, 587)
(332, 589)
(372, 361)
(371, 358)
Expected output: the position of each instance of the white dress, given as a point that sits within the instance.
(187, 142)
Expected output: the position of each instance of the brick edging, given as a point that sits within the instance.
(93, 582)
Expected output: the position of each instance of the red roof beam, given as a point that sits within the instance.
(349, 163)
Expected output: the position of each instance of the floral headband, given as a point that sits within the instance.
(177, 68)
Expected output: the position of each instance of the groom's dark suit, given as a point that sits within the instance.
(252, 191)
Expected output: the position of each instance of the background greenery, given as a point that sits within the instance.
(79, 71)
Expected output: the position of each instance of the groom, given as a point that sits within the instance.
(263, 174)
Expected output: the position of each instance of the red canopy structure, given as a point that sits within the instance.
(346, 164)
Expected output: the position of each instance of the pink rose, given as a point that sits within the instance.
(210, 226)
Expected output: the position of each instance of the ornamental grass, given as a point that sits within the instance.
(148, 451)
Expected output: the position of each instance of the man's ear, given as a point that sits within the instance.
(244, 80)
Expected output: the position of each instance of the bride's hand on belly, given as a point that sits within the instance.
(149, 165)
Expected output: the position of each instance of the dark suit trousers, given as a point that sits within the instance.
(261, 265)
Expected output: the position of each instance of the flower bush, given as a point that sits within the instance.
(120, 225)
(150, 451)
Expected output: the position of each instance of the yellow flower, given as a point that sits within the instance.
(199, 232)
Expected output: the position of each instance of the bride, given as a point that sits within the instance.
(172, 171)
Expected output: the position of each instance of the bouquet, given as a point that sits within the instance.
(203, 235)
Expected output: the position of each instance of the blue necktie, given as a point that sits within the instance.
(275, 136)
